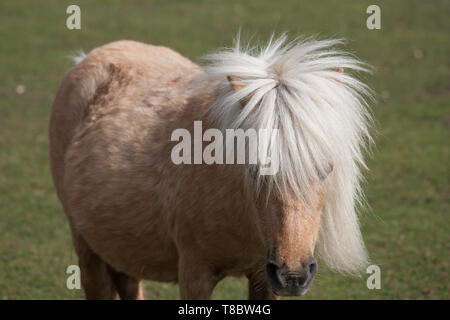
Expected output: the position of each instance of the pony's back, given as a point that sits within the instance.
(123, 74)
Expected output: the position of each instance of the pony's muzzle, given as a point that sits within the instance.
(287, 282)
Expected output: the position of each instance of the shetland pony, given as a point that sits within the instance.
(136, 215)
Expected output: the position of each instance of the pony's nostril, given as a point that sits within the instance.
(313, 268)
(301, 281)
(273, 271)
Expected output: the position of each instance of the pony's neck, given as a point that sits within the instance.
(228, 177)
(222, 188)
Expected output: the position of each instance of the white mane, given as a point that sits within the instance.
(322, 118)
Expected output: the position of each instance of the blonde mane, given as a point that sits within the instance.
(322, 118)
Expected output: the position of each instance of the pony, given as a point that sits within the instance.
(134, 214)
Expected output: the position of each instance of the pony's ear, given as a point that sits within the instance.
(237, 84)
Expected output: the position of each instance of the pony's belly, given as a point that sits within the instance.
(150, 257)
(112, 202)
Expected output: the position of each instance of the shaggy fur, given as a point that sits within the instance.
(136, 215)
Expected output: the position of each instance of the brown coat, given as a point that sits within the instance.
(133, 213)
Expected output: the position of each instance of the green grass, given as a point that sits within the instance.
(407, 230)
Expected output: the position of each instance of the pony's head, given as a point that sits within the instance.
(309, 205)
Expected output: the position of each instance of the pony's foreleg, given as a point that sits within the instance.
(95, 276)
(259, 288)
(196, 281)
(129, 288)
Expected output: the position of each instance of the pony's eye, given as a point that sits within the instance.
(325, 174)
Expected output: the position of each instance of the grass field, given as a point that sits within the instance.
(407, 231)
